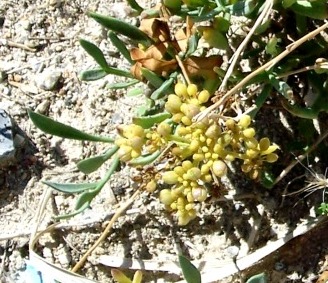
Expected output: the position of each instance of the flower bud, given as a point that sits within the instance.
(124, 153)
(192, 90)
(136, 142)
(164, 129)
(230, 124)
(186, 121)
(187, 164)
(203, 96)
(151, 186)
(213, 131)
(173, 104)
(199, 194)
(249, 133)
(165, 197)
(219, 168)
(251, 153)
(170, 177)
(244, 121)
(193, 174)
(181, 90)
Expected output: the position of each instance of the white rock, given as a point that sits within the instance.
(48, 79)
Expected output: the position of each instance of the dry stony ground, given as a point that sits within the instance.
(38, 44)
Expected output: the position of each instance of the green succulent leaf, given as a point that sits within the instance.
(312, 9)
(153, 79)
(145, 159)
(165, 88)
(189, 271)
(119, 276)
(91, 164)
(242, 8)
(120, 45)
(258, 278)
(95, 53)
(134, 5)
(121, 85)
(85, 199)
(55, 128)
(148, 121)
(121, 27)
(93, 75)
(281, 86)
(287, 3)
(134, 92)
(71, 188)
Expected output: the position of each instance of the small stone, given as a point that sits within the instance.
(26, 24)
(48, 79)
(43, 107)
(7, 148)
(59, 48)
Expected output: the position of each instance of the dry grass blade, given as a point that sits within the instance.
(264, 14)
(290, 48)
(300, 158)
(104, 234)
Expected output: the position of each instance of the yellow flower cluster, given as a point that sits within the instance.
(131, 142)
(200, 149)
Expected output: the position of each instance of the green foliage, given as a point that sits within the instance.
(258, 278)
(190, 272)
(52, 127)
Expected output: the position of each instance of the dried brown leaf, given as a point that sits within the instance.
(202, 66)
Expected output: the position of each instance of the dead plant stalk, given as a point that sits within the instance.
(290, 48)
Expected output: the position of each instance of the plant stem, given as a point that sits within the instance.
(290, 48)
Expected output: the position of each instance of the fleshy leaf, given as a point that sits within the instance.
(134, 92)
(119, 276)
(155, 80)
(134, 5)
(71, 188)
(312, 9)
(93, 75)
(85, 199)
(148, 121)
(121, 27)
(55, 128)
(165, 88)
(91, 164)
(189, 271)
(95, 53)
(122, 84)
(120, 45)
(137, 277)
(258, 278)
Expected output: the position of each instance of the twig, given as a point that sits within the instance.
(264, 14)
(15, 44)
(183, 69)
(300, 158)
(104, 234)
(290, 48)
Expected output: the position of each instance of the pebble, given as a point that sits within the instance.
(7, 148)
(43, 107)
(48, 79)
